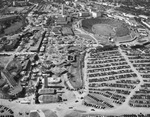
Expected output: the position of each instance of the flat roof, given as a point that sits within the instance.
(67, 31)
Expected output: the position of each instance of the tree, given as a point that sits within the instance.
(5, 88)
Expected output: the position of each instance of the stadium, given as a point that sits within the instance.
(106, 28)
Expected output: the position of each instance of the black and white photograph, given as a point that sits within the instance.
(74, 58)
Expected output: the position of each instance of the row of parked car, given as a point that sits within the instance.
(111, 66)
(141, 63)
(106, 65)
(114, 77)
(110, 73)
(112, 85)
(108, 68)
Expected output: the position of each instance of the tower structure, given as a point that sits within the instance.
(14, 3)
(63, 10)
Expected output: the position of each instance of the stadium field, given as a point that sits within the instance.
(107, 27)
(103, 29)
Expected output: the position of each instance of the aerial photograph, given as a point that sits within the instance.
(74, 58)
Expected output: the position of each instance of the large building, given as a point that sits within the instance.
(46, 91)
(48, 98)
(67, 31)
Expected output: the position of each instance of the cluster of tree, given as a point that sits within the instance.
(1, 4)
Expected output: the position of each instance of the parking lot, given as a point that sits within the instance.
(140, 60)
(110, 78)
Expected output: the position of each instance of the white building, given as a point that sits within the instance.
(95, 14)
(143, 16)
(84, 14)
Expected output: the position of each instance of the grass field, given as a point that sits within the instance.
(103, 29)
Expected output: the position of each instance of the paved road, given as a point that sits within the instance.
(17, 53)
(138, 76)
(86, 33)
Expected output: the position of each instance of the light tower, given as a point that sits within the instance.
(14, 3)
(63, 10)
